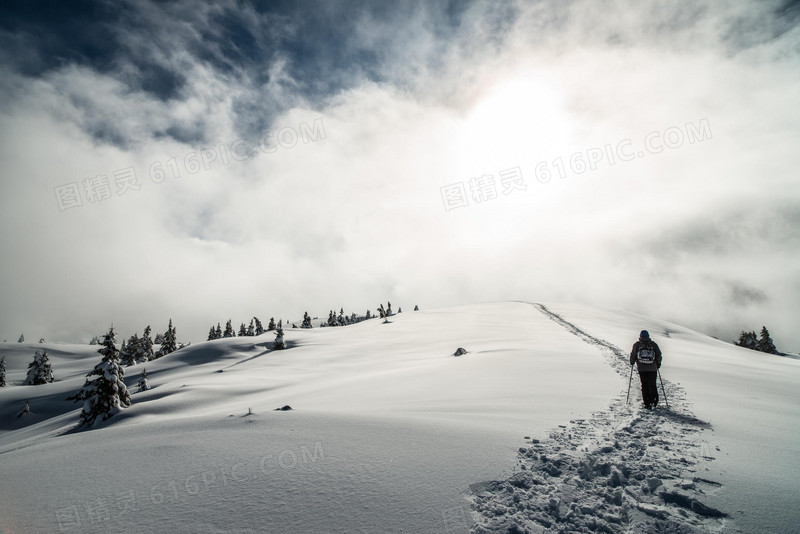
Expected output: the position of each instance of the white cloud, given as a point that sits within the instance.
(357, 217)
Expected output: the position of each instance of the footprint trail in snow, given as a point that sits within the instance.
(624, 469)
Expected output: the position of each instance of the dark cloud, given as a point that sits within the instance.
(777, 18)
(41, 35)
(741, 231)
(273, 55)
(743, 295)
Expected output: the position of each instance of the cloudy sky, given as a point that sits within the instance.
(201, 161)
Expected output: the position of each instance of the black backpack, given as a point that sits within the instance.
(646, 354)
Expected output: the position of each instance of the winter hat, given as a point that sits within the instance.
(644, 334)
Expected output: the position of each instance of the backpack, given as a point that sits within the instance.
(647, 354)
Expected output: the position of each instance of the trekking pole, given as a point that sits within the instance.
(628, 396)
(662, 388)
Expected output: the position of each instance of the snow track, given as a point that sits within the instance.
(624, 469)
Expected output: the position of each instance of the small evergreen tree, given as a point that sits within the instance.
(39, 370)
(218, 332)
(94, 341)
(242, 330)
(125, 358)
(229, 330)
(212, 334)
(271, 326)
(144, 349)
(251, 330)
(765, 343)
(279, 343)
(382, 312)
(21, 338)
(106, 395)
(128, 353)
(416, 308)
(169, 343)
(259, 326)
(368, 314)
(306, 321)
(748, 340)
(3, 372)
(143, 385)
(389, 309)
(399, 310)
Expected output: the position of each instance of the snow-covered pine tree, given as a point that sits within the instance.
(765, 343)
(306, 321)
(3, 372)
(212, 334)
(399, 310)
(242, 330)
(143, 385)
(271, 326)
(105, 395)
(748, 340)
(368, 314)
(389, 309)
(280, 325)
(21, 338)
(144, 349)
(229, 330)
(94, 341)
(279, 343)
(259, 326)
(740, 341)
(218, 332)
(39, 370)
(129, 352)
(382, 312)
(169, 343)
(124, 358)
(251, 330)
(416, 308)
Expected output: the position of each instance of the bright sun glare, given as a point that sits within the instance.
(517, 122)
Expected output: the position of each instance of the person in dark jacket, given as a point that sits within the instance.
(647, 357)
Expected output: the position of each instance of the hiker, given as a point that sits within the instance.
(647, 357)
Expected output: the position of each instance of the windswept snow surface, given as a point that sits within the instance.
(390, 432)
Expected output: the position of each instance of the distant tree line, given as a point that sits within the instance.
(256, 328)
(334, 319)
(762, 343)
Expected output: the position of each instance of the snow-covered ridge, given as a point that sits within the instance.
(389, 430)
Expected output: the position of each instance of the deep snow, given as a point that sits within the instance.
(390, 432)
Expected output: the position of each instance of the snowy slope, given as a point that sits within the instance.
(751, 401)
(389, 431)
